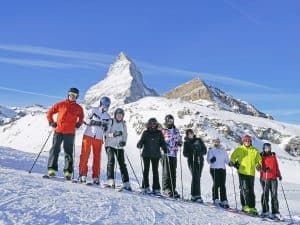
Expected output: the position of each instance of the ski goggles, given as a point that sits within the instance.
(72, 94)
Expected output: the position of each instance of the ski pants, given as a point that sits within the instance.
(88, 143)
(155, 174)
(268, 186)
(169, 165)
(119, 153)
(219, 180)
(195, 167)
(68, 140)
(247, 190)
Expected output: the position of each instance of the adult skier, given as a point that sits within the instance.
(115, 141)
(194, 149)
(151, 141)
(268, 178)
(217, 158)
(246, 159)
(69, 117)
(169, 160)
(96, 125)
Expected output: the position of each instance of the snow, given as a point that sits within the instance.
(28, 199)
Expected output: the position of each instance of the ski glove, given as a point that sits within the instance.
(117, 133)
(236, 165)
(95, 123)
(280, 178)
(266, 169)
(258, 167)
(179, 143)
(78, 125)
(139, 146)
(122, 143)
(53, 124)
(213, 159)
(104, 126)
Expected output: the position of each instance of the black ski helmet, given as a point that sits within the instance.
(119, 111)
(105, 101)
(74, 90)
(169, 120)
(266, 145)
(152, 123)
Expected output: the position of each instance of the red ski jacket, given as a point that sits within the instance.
(269, 161)
(68, 114)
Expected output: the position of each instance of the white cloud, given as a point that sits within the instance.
(29, 92)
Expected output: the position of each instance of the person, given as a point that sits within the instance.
(69, 117)
(115, 141)
(246, 159)
(96, 125)
(194, 149)
(169, 160)
(268, 178)
(151, 141)
(217, 158)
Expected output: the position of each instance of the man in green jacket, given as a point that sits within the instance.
(246, 159)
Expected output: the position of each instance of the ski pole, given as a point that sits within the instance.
(286, 202)
(40, 151)
(234, 188)
(132, 170)
(73, 156)
(181, 173)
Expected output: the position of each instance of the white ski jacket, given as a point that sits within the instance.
(96, 131)
(221, 155)
(114, 142)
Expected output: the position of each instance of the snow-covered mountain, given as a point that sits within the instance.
(6, 115)
(197, 90)
(123, 84)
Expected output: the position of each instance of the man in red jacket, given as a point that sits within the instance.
(69, 117)
(268, 179)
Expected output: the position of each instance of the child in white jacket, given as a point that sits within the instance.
(217, 157)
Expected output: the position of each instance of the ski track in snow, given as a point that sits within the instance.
(30, 199)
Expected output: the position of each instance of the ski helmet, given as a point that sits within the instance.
(105, 101)
(266, 145)
(169, 120)
(73, 91)
(247, 137)
(152, 123)
(119, 111)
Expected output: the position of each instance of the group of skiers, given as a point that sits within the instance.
(160, 144)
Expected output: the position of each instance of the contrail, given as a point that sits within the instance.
(30, 92)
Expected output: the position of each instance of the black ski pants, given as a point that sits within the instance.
(119, 153)
(169, 165)
(269, 186)
(68, 142)
(155, 174)
(195, 167)
(247, 190)
(219, 181)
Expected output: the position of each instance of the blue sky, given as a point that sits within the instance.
(249, 49)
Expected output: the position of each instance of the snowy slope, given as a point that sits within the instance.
(123, 84)
(29, 132)
(6, 115)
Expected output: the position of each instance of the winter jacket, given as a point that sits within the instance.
(194, 148)
(172, 138)
(221, 156)
(114, 126)
(96, 131)
(269, 160)
(151, 142)
(248, 158)
(68, 114)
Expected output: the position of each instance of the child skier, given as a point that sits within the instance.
(194, 149)
(217, 157)
(268, 179)
(169, 161)
(97, 123)
(115, 141)
(151, 142)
